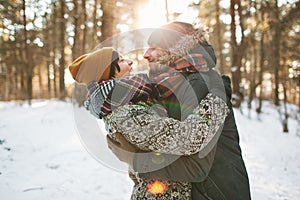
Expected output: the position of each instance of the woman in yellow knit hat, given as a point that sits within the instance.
(96, 66)
(126, 104)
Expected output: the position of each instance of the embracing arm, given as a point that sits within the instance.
(143, 127)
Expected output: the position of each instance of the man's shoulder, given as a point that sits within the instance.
(194, 77)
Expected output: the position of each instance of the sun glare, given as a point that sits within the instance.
(152, 14)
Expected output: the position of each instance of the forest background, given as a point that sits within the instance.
(256, 42)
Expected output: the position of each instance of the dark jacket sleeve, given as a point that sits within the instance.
(169, 167)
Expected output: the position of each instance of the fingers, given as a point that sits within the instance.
(120, 143)
(121, 139)
(111, 143)
(124, 144)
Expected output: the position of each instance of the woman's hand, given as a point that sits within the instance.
(123, 150)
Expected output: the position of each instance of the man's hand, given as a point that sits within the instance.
(122, 148)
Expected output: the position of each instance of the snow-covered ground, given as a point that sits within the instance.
(42, 156)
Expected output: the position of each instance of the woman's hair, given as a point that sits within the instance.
(114, 64)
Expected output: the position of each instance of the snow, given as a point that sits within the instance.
(44, 155)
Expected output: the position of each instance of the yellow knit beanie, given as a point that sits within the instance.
(94, 66)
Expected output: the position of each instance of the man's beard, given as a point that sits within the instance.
(156, 69)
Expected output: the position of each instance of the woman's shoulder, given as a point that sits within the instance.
(134, 82)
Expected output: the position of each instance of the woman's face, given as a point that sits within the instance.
(125, 67)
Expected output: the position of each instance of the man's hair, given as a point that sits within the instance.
(181, 27)
(168, 35)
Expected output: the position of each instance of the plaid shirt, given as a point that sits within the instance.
(168, 79)
(105, 96)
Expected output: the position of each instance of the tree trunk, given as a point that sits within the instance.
(22, 77)
(275, 61)
(167, 11)
(75, 47)
(219, 36)
(253, 70)
(235, 70)
(108, 21)
(62, 90)
(47, 50)
(237, 51)
(48, 78)
(260, 76)
(84, 23)
(95, 37)
(27, 58)
(285, 120)
(54, 47)
(261, 61)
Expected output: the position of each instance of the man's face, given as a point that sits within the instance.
(152, 54)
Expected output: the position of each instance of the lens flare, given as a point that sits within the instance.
(157, 187)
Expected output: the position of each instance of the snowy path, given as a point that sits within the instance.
(41, 157)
